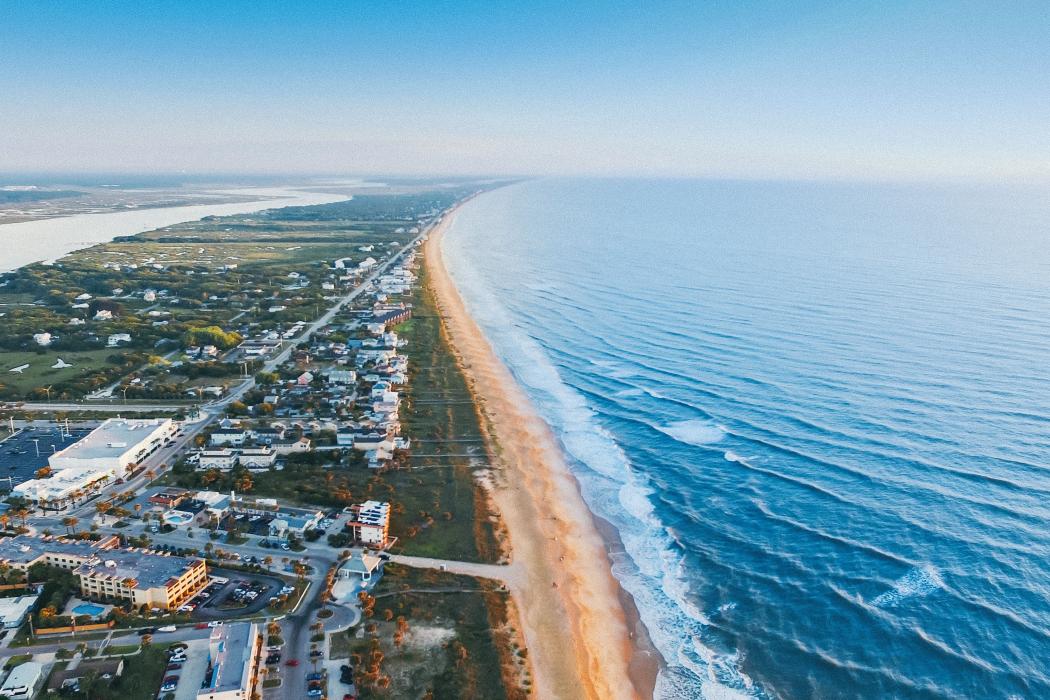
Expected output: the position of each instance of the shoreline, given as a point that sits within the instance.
(579, 628)
(49, 239)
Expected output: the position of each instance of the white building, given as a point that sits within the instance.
(341, 376)
(103, 315)
(224, 460)
(370, 523)
(43, 339)
(64, 487)
(115, 445)
(233, 655)
(258, 457)
(22, 681)
(229, 436)
(118, 338)
(13, 611)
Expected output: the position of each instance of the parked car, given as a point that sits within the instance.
(166, 628)
(291, 662)
(215, 623)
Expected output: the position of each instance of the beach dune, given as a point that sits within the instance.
(571, 613)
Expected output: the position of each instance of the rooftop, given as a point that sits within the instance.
(24, 548)
(230, 652)
(113, 438)
(148, 569)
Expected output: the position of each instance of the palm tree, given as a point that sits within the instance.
(4, 520)
(267, 561)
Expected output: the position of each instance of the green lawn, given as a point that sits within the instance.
(40, 372)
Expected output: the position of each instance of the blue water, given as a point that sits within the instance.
(89, 609)
(818, 415)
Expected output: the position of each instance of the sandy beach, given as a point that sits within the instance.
(573, 618)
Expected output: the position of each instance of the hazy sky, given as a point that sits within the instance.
(878, 89)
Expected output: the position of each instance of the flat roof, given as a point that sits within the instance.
(24, 674)
(24, 548)
(148, 569)
(113, 438)
(230, 648)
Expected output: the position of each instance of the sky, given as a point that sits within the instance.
(891, 90)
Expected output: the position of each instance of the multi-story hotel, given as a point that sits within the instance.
(108, 573)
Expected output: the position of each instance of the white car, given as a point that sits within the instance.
(166, 628)
(215, 623)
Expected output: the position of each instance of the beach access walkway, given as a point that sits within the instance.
(509, 574)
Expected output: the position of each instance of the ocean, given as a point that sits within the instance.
(817, 414)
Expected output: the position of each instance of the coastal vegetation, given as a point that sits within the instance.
(435, 634)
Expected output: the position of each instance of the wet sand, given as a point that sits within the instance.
(578, 630)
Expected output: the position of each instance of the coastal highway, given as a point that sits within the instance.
(103, 407)
(322, 321)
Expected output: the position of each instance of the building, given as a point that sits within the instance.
(286, 524)
(43, 339)
(115, 445)
(216, 505)
(118, 338)
(287, 446)
(259, 347)
(22, 681)
(341, 376)
(344, 437)
(257, 457)
(23, 551)
(142, 578)
(63, 488)
(268, 435)
(224, 460)
(70, 678)
(392, 317)
(13, 611)
(107, 573)
(366, 568)
(369, 523)
(228, 436)
(233, 662)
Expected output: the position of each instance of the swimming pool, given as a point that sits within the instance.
(89, 609)
(177, 517)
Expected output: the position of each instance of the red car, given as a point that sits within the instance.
(202, 625)
(291, 662)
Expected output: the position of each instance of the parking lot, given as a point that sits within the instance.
(249, 524)
(241, 594)
(22, 454)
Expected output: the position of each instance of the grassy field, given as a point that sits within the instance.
(438, 633)
(41, 374)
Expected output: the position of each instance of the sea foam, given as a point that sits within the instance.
(694, 432)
